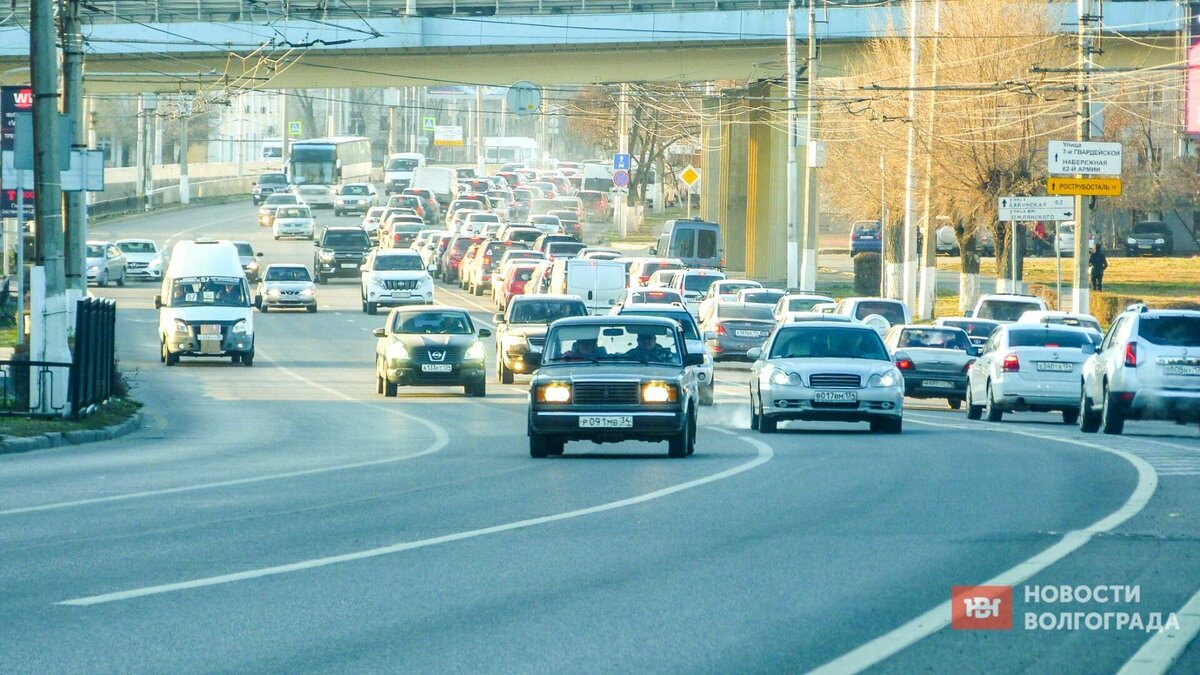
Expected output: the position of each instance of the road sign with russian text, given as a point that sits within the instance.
(1023, 209)
(1095, 187)
(1085, 158)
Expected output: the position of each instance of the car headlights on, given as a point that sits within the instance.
(241, 327)
(474, 352)
(783, 378)
(1131, 240)
(658, 392)
(181, 327)
(308, 292)
(554, 392)
(273, 292)
(515, 343)
(396, 352)
(889, 379)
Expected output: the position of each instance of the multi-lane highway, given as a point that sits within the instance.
(286, 518)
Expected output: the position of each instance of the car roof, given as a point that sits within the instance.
(847, 325)
(136, 241)
(395, 252)
(1015, 297)
(98, 242)
(604, 319)
(344, 228)
(547, 296)
(298, 265)
(1020, 327)
(416, 309)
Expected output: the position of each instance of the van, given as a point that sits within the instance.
(695, 242)
(398, 171)
(204, 308)
(599, 282)
(440, 180)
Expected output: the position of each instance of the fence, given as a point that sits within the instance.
(90, 377)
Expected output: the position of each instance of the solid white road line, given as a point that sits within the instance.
(1161, 651)
(441, 440)
(936, 619)
(764, 454)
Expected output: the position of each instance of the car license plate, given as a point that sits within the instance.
(399, 294)
(606, 422)
(1144, 247)
(746, 333)
(203, 336)
(939, 384)
(436, 368)
(349, 266)
(867, 237)
(836, 397)
(1180, 369)
(1055, 367)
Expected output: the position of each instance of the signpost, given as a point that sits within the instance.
(1084, 158)
(428, 123)
(621, 178)
(621, 162)
(690, 176)
(295, 128)
(1022, 209)
(1096, 187)
(523, 98)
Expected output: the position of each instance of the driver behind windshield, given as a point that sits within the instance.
(585, 349)
(648, 349)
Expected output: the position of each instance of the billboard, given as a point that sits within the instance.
(13, 100)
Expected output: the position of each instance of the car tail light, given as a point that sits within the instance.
(487, 260)
(905, 364)
(854, 237)
(721, 263)
(644, 279)
(1131, 355)
(1011, 364)
(721, 329)
(967, 368)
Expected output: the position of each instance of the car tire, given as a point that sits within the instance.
(390, 388)
(540, 446)
(1089, 419)
(974, 412)
(504, 375)
(1070, 416)
(276, 237)
(371, 308)
(707, 394)
(1112, 420)
(312, 309)
(248, 359)
(677, 445)
(954, 403)
(264, 309)
(755, 418)
(476, 389)
(102, 281)
(767, 424)
(990, 410)
(235, 357)
(478, 290)
(320, 278)
(121, 280)
(379, 380)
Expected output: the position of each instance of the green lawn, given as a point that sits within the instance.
(115, 412)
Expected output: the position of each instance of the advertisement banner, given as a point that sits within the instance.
(1191, 84)
(13, 100)
(447, 135)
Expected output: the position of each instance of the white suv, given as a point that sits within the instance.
(1006, 307)
(395, 276)
(1147, 367)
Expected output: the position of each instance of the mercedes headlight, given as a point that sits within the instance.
(474, 352)
(241, 327)
(889, 379)
(396, 352)
(156, 261)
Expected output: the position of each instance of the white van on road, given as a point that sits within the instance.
(204, 309)
(599, 282)
(398, 170)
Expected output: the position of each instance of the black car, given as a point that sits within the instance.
(609, 379)
(424, 346)
(1151, 237)
(340, 252)
(268, 184)
(521, 330)
(546, 239)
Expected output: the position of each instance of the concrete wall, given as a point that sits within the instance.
(204, 180)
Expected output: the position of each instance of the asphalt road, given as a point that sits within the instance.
(285, 518)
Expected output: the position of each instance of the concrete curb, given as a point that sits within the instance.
(59, 439)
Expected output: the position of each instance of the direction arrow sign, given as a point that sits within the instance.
(621, 161)
(1021, 209)
(1084, 158)
(1096, 187)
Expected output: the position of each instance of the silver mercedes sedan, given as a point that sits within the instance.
(825, 372)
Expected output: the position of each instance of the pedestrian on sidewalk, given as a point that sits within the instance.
(1098, 262)
(1039, 239)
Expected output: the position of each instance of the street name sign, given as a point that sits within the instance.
(1085, 158)
(1095, 187)
(1022, 209)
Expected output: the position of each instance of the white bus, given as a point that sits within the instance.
(318, 165)
(510, 150)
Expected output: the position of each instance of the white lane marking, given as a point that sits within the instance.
(936, 619)
(1161, 651)
(441, 440)
(764, 454)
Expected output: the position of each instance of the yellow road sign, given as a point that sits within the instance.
(1096, 187)
(690, 175)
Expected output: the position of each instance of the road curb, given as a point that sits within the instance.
(57, 439)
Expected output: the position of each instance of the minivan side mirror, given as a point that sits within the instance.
(258, 254)
(317, 244)
(158, 302)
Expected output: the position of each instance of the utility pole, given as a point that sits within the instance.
(623, 148)
(479, 158)
(928, 299)
(75, 203)
(793, 239)
(48, 337)
(185, 190)
(1081, 297)
(284, 129)
(910, 174)
(808, 264)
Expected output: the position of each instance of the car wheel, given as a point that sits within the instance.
(162, 351)
(890, 425)
(1070, 415)
(371, 307)
(539, 446)
(767, 424)
(248, 359)
(991, 411)
(755, 419)
(390, 388)
(320, 278)
(476, 389)
(691, 446)
(379, 379)
(954, 403)
(312, 309)
(974, 412)
(677, 445)
(1112, 420)
(276, 237)
(102, 281)
(503, 373)
(265, 308)
(1089, 419)
(706, 393)
(478, 290)
(121, 279)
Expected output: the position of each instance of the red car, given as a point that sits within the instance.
(518, 276)
(595, 204)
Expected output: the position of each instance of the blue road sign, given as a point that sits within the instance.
(621, 178)
(621, 161)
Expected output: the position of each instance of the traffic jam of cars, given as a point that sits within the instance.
(621, 345)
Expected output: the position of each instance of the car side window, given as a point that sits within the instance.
(1112, 332)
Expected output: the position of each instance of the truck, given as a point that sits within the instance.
(441, 180)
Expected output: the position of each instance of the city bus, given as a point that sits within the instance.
(318, 165)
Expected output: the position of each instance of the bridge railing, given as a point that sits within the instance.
(180, 11)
